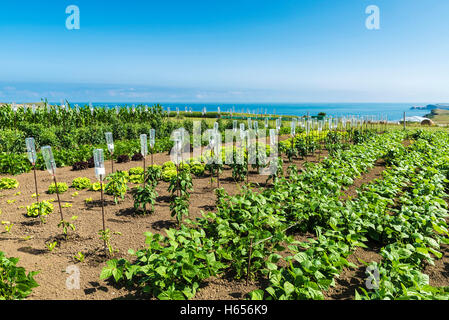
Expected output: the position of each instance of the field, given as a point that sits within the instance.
(355, 213)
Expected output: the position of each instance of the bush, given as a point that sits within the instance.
(135, 171)
(62, 187)
(91, 162)
(153, 174)
(39, 209)
(143, 196)
(8, 183)
(117, 185)
(81, 183)
(15, 284)
(96, 186)
(124, 158)
(197, 169)
(137, 157)
(81, 165)
(168, 165)
(168, 174)
(14, 164)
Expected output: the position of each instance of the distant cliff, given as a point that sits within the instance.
(444, 106)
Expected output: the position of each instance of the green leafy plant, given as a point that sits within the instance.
(8, 183)
(144, 196)
(117, 185)
(178, 264)
(179, 208)
(66, 225)
(51, 245)
(81, 183)
(96, 186)
(40, 209)
(182, 184)
(106, 236)
(80, 257)
(61, 187)
(8, 226)
(15, 283)
(153, 175)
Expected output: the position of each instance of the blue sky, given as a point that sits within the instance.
(225, 51)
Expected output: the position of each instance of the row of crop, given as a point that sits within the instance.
(246, 229)
(416, 226)
(372, 215)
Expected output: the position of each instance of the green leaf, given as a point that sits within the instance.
(256, 294)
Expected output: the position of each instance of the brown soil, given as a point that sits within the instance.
(28, 237)
(373, 174)
(351, 279)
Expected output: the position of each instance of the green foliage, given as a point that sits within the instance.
(66, 225)
(179, 208)
(117, 185)
(144, 196)
(60, 188)
(182, 184)
(15, 283)
(168, 174)
(171, 267)
(81, 183)
(153, 175)
(8, 183)
(106, 236)
(96, 186)
(14, 164)
(40, 209)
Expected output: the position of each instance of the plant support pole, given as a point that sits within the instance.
(35, 182)
(57, 194)
(102, 212)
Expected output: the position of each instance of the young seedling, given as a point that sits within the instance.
(51, 246)
(66, 225)
(106, 236)
(79, 256)
(8, 226)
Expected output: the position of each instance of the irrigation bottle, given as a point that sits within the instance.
(152, 142)
(32, 156)
(110, 143)
(216, 127)
(144, 152)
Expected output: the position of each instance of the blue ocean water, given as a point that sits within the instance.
(391, 111)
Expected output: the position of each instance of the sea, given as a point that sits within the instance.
(389, 111)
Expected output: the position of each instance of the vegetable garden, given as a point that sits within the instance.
(155, 229)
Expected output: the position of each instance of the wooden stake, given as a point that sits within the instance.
(57, 194)
(102, 212)
(35, 182)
